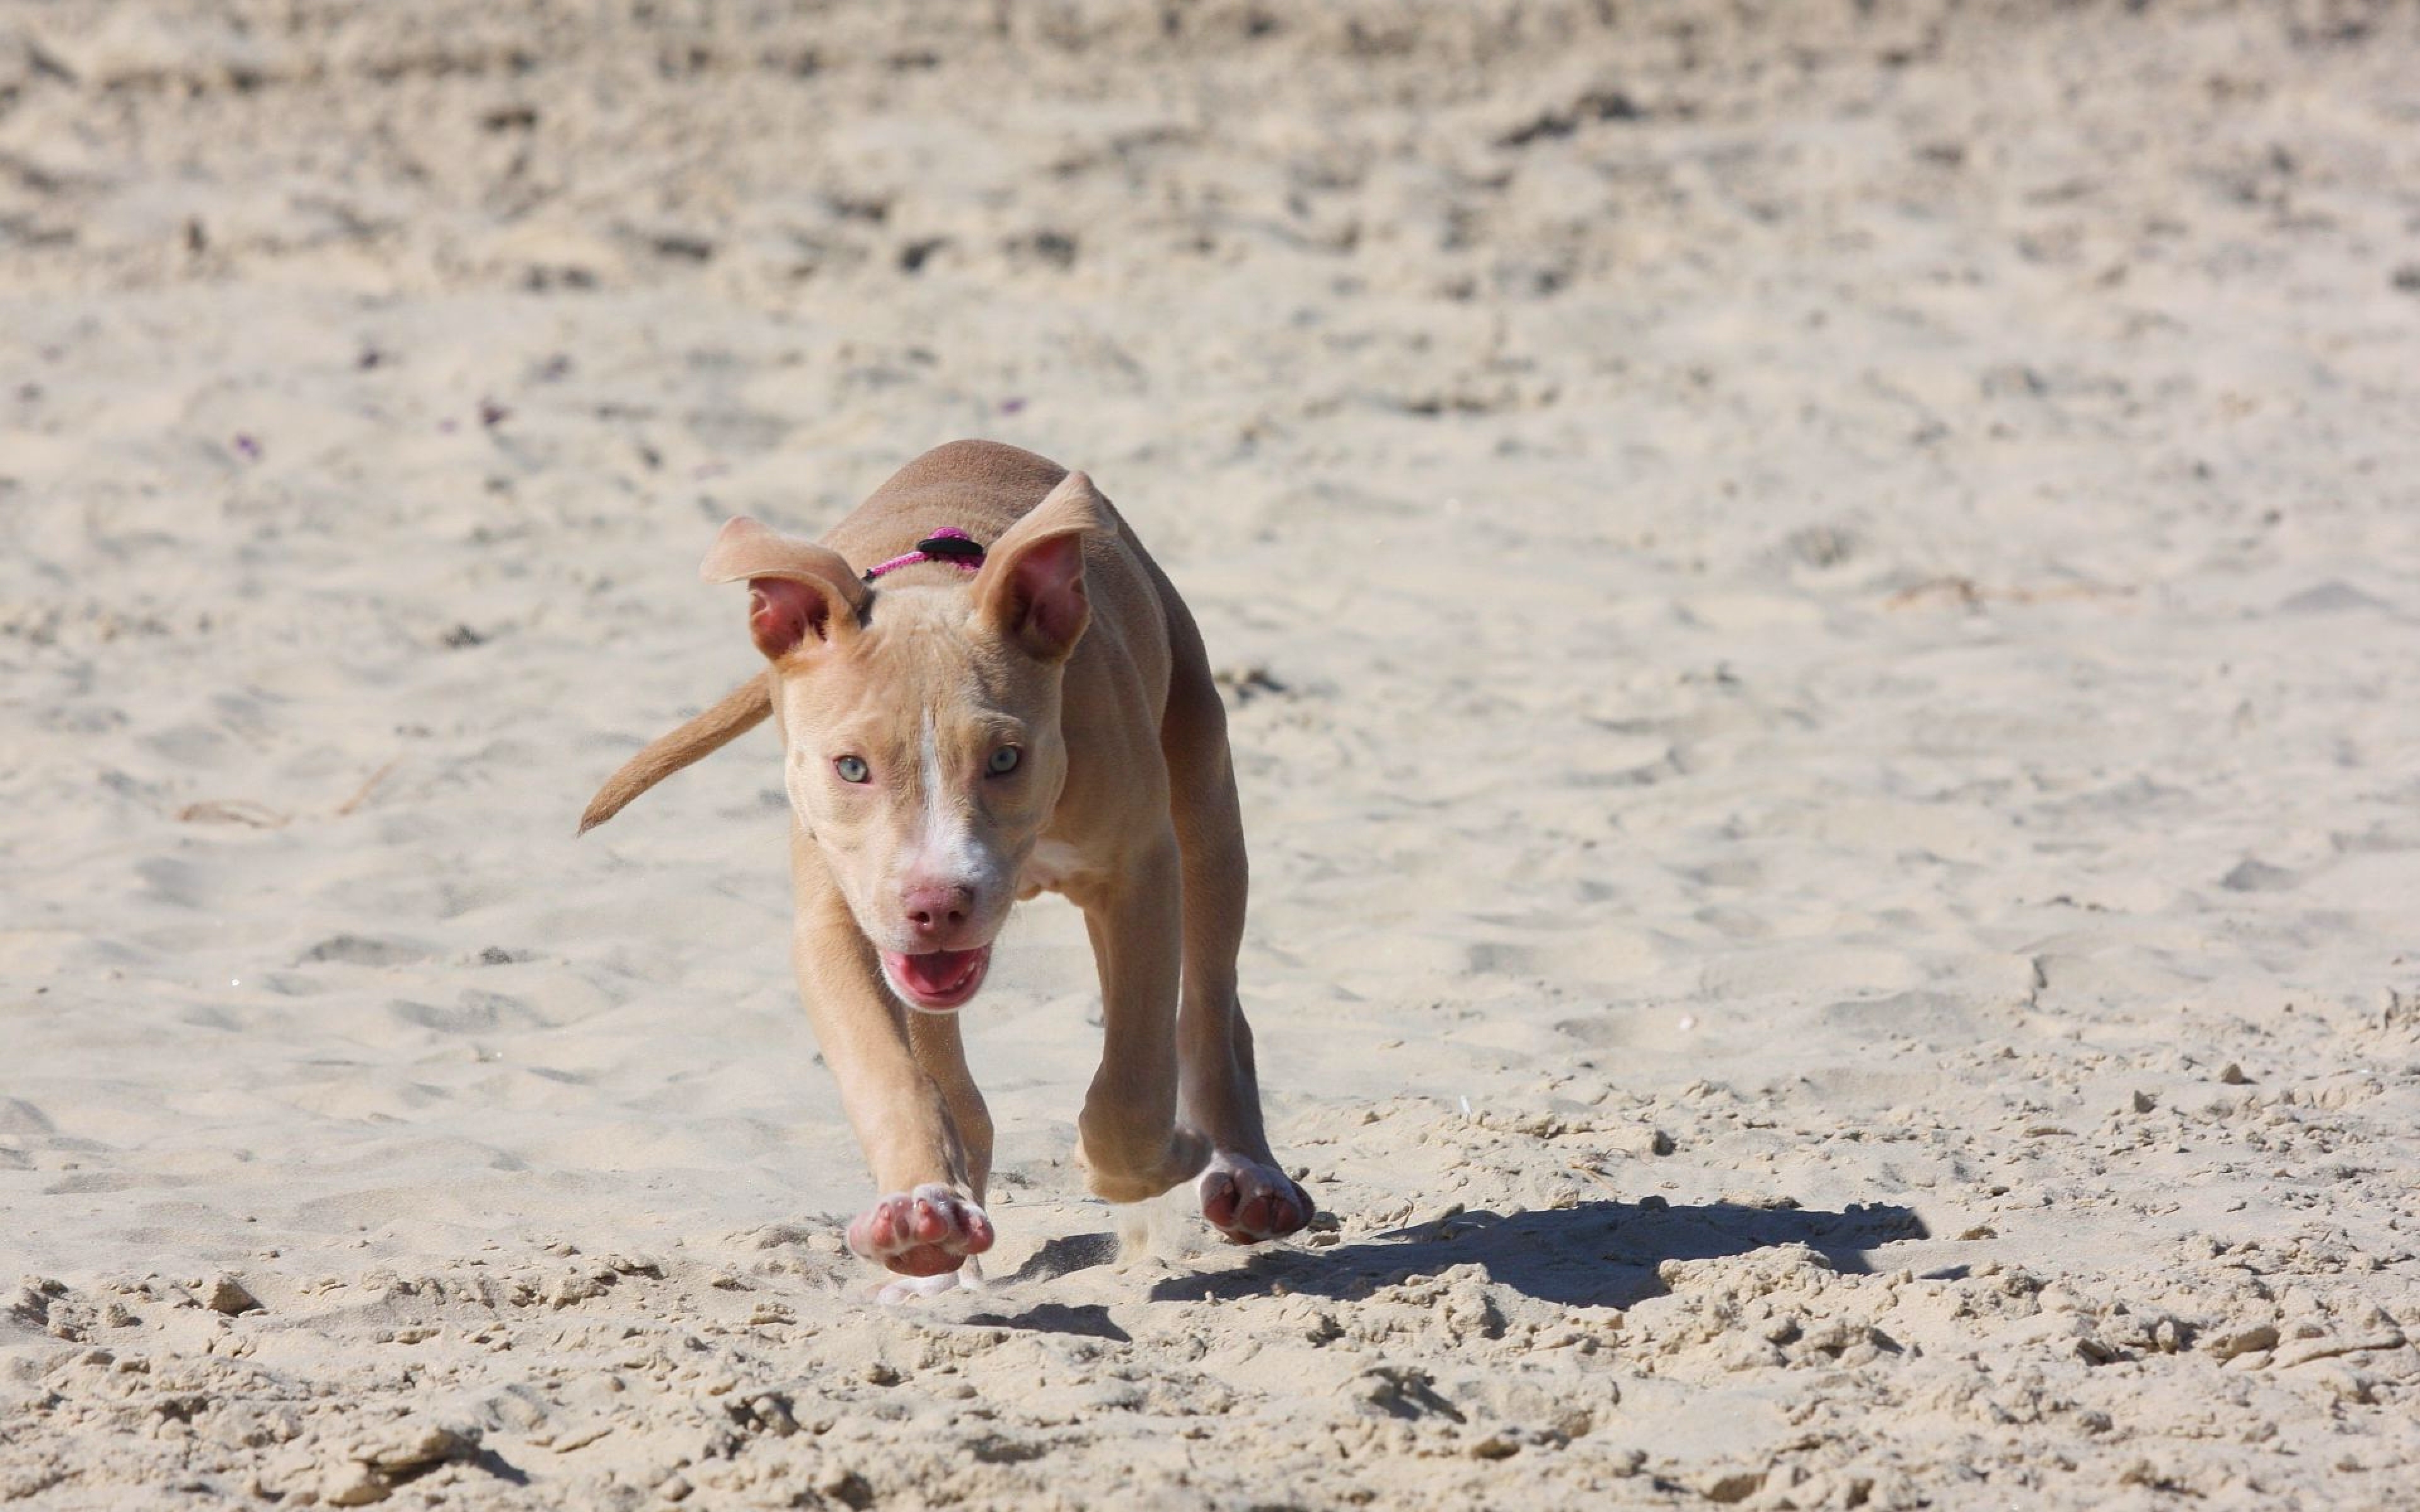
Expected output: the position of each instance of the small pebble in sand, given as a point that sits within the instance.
(1688, 1021)
(352, 1484)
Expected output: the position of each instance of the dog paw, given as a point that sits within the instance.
(1249, 1201)
(908, 1290)
(927, 1232)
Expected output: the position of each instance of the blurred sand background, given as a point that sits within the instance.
(1821, 603)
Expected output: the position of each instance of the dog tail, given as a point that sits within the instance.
(741, 710)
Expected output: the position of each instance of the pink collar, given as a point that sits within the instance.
(949, 543)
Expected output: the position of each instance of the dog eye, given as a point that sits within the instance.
(1005, 759)
(852, 768)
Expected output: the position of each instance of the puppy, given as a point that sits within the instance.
(986, 689)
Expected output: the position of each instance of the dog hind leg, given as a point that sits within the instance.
(1131, 1143)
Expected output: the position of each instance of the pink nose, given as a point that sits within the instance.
(936, 907)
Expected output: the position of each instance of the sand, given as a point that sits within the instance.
(1819, 603)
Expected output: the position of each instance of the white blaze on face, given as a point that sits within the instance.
(948, 851)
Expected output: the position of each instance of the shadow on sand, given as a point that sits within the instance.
(1092, 1321)
(1594, 1254)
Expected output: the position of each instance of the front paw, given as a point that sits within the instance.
(928, 1231)
(1249, 1201)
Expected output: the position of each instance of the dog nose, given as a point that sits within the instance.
(935, 907)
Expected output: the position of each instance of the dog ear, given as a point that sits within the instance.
(795, 588)
(1031, 586)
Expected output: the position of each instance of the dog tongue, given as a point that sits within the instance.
(934, 973)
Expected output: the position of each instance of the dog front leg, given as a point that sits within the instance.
(1131, 1146)
(930, 1219)
(1245, 1193)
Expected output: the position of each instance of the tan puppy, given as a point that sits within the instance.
(964, 727)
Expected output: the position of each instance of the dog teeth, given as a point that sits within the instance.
(921, 993)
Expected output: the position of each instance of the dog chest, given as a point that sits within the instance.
(1053, 866)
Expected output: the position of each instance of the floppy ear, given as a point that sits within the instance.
(797, 589)
(1031, 585)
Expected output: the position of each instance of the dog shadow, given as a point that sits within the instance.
(1090, 1322)
(1593, 1254)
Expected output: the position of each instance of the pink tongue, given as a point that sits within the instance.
(932, 974)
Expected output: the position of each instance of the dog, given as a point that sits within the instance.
(986, 689)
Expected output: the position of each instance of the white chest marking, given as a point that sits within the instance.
(1053, 864)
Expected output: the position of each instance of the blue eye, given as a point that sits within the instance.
(852, 768)
(1005, 759)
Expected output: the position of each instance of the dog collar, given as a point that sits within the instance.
(949, 543)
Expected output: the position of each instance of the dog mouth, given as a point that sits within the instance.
(936, 982)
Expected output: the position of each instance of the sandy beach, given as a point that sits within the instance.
(1821, 606)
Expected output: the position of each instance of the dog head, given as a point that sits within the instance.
(924, 753)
